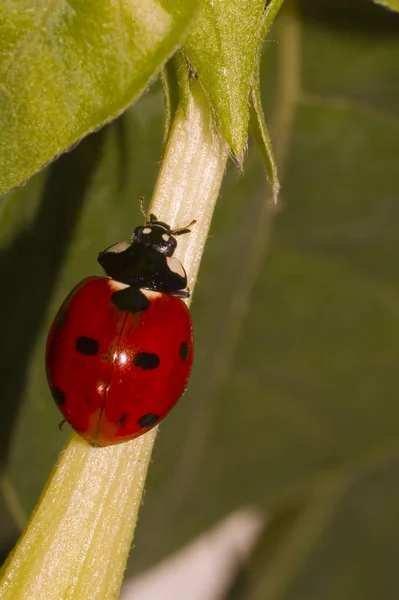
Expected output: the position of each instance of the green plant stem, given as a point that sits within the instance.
(78, 539)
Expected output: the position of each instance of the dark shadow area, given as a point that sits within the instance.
(9, 530)
(355, 15)
(121, 133)
(29, 269)
(240, 589)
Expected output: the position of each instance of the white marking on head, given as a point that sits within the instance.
(165, 237)
(175, 266)
(120, 247)
(147, 230)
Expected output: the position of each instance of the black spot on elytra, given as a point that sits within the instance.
(148, 420)
(59, 397)
(122, 419)
(184, 351)
(87, 345)
(130, 299)
(146, 361)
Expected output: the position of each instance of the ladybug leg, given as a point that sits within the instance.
(181, 293)
(131, 299)
(61, 424)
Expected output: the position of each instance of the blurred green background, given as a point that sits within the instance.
(293, 402)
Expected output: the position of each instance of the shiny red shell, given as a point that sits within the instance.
(114, 374)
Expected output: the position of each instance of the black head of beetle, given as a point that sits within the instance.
(157, 235)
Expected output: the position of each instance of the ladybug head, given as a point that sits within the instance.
(144, 261)
(158, 235)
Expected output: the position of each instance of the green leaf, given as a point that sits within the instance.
(391, 4)
(223, 48)
(67, 69)
(175, 78)
(259, 128)
(261, 134)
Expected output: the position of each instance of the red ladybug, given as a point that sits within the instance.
(120, 349)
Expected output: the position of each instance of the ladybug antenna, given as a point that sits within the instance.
(143, 211)
(185, 229)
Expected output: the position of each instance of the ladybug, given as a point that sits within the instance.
(120, 349)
